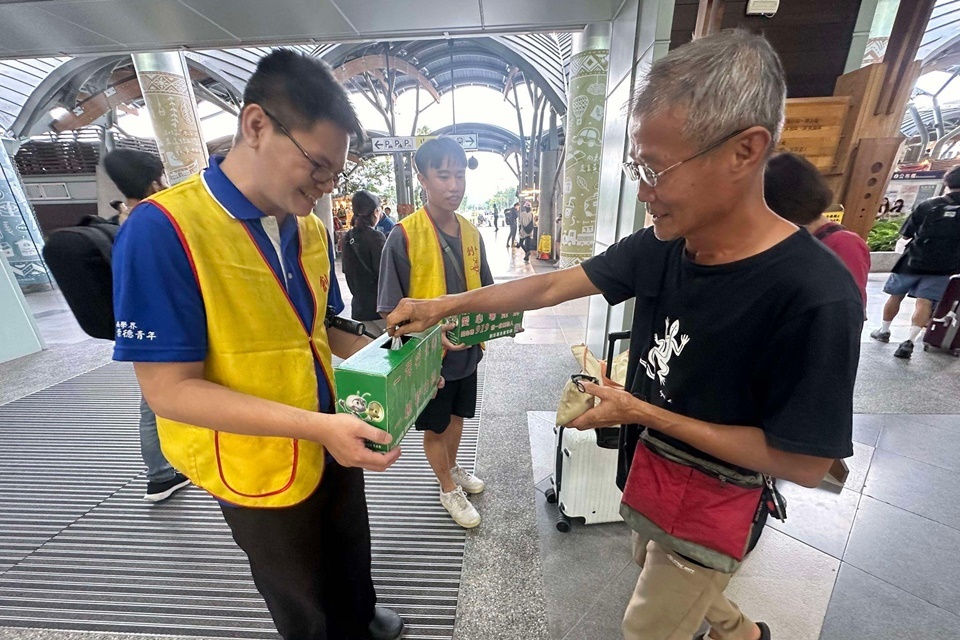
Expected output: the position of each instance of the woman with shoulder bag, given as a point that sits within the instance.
(362, 246)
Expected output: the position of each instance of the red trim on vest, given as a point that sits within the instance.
(316, 318)
(183, 238)
(293, 473)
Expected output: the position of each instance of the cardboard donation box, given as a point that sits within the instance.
(388, 388)
(474, 328)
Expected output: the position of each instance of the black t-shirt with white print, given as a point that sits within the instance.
(771, 341)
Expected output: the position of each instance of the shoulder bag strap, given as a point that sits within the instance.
(351, 240)
(827, 230)
(453, 259)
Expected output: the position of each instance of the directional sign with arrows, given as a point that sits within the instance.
(400, 144)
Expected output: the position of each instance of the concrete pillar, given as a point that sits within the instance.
(168, 94)
(324, 211)
(584, 142)
(640, 35)
(549, 195)
(861, 34)
(21, 242)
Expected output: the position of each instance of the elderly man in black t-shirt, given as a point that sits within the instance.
(745, 336)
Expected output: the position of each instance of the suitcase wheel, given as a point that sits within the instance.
(563, 523)
(926, 347)
(551, 494)
(956, 353)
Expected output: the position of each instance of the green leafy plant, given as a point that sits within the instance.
(884, 235)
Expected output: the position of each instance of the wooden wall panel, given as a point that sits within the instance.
(812, 37)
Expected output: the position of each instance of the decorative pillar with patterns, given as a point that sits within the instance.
(584, 142)
(168, 94)
(21, 242)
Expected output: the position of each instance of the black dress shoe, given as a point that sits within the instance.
(764, 633)
(386, 624)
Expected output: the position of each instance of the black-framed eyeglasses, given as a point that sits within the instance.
(321, 173)
(640, 171)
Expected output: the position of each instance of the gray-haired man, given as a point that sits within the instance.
(745, 336)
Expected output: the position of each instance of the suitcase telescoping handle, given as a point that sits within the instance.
(612, 341)
(609, 437)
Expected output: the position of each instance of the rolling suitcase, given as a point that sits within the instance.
(585, 472)
(943, 332)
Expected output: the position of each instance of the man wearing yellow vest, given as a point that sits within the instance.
(221, 288)
(431, 253)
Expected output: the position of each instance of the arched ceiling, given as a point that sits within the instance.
(492, 62)
(29, 89)
(940, 47)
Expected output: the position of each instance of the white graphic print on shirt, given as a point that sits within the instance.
(658, 360)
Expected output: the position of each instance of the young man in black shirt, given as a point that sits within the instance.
(745, 337)
(924, 270)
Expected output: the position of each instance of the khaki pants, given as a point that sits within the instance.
(673, 596)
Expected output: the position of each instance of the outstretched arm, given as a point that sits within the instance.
(534, 292)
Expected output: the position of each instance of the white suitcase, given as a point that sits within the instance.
(584, 479)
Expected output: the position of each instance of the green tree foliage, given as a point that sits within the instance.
(374, 175)
(504, 199)
(884, 235)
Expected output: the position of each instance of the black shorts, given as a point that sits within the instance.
(457, 398)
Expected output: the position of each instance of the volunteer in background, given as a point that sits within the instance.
(139, 175)
(435, 251)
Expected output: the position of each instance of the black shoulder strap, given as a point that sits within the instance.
(827, 230)
(453, 259)
(351, 240)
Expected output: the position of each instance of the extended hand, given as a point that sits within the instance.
(346, 439)
(616, 407)
(412, 316)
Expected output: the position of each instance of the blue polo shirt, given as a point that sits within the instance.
(157, 303)
(385, 225)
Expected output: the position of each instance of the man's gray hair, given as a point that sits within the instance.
(726, 82)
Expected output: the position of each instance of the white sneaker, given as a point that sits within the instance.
(459, 508)
(469, 482)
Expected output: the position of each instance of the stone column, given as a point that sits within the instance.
(549, 195)
(324, 211)
(21, 242)
(168, 94)
(584, 141)
(641, 34)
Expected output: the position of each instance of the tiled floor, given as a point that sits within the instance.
(58, 327)
(877, 559)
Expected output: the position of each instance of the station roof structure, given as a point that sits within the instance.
(87, 86)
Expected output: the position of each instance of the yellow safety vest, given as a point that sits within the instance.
(257, 345)
(427, 268)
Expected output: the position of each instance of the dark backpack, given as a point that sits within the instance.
(80, 260)
(936, 244)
